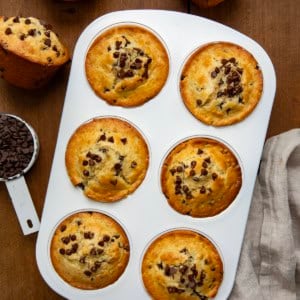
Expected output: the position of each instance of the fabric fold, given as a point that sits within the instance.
(269, 266)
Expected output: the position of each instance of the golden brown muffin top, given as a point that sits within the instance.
(221, 83)
(200, 177)
(89, 250)
(32, 40)
(182, 265)
(108, 158)
(127, 65)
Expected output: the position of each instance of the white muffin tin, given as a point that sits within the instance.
(164, 121)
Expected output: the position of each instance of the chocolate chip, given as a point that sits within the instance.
(179, 169)
(99, 251)
(32, 32)
(93, 251)
(74, 247)
(199, 151)
(106, 238)
(63, 228)
(27, 21)
(62, 251)
(91, 163)
(214, 176)
(22, 37)
(227, 70)
(199, 102)
(202, 190)
(86, 173)
(167, 270)
(224, 61)
(204, 172)
(116, 54)
(88, 273)
(69, 252)
(8, 31)
(232, 60)
(85, 162)
(82, 260)
(49, 59)
(48, 26)
(118, 45)
(111, 139)
(65, 240)
(108, 48)
(207, 159)
(88, 235)
(124, 141)
(240, 70)
(192, 173)
(16, 20)
(213, 74)
(204, 164)
(73, 237)
(133, 164)
(47, 42)
(101, 243)
(160, 265)
(5, 19)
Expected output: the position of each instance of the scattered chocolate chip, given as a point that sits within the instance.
(86, 173)
(202, 190)
(204, 172)
(160, 265)
(85, 162)
(124, 141)
(232, 60)
(16, 20)
(213, 74)
(73, 237)
(88, 273)
(49, 59)
(214, 176)
(32, 32)
(88, 235)
(199, 102)
(62, 251)
(82, 260)
(101, 243)
(47, 42)
(99, 251)
(204, 164)
(65, 240)
(118, 45)
(106, 238)
(224, 61)
(192, 173)
(63, 228)
(179, 169)
(93, 251)
(27, 21)
(108, 48)
(91, 163)
(8, 31)
(199, 151)
(133, 164)
(69, 252)
(207, 159)
(111, 139)
(22, 37)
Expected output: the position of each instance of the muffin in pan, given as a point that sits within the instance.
(182, 264)
(200, 177)
(108, 158)
(221, 83)
(89, 250)
(127, 65)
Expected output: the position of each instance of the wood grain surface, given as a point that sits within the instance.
(273, 24)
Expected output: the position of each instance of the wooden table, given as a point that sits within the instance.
(272, 23)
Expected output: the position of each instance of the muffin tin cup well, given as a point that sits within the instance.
(60, 280)
(222, 142)
(170, 230)
(164, 121)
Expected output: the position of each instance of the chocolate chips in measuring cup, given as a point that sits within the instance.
(16, 146)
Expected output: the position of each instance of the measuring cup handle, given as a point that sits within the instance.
(23, 205)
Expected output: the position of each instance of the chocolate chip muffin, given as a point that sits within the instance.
(89, 250)
(127, 65)
(108, 158)
(200, 177)
(182, 264)
(30, 52)
(221, 83)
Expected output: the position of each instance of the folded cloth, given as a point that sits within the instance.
(269, 266)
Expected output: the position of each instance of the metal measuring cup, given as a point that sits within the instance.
(18, 190)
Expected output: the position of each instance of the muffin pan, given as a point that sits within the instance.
(164, 121)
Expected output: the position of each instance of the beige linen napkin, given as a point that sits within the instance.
(269, 266)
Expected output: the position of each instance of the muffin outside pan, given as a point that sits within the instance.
(108, 158)
(89, 250)
(221, 83)
(127, 65)
(200, 177)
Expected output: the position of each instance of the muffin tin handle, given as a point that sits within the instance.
(23, 205)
